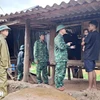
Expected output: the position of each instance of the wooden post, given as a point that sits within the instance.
(69, 76)
(26, 55)
(51, 48)
(51, 51)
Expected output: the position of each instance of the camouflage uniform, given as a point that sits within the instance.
(20, 60)
(61, 58)
(41, 55)
(4, 63)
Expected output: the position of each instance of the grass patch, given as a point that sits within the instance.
(85, 75)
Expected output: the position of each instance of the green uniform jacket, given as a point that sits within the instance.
(60, 49)
(4, 53)
(40, 51)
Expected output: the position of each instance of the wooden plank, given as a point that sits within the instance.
(13, 22)
(75, 63)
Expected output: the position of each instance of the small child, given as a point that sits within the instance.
(85, 32)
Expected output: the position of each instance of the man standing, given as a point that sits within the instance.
(91, 53)
(20, 61)
(61, 56)
(4, 60)
(41, 58)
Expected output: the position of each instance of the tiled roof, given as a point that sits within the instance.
(73, 8)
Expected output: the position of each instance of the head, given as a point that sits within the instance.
(22, 48)
(61, 29)
(4, 30)
(93, 25)
(85, 31)
(42, 36)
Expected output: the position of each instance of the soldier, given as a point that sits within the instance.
(61, 56)
(41, 58)
(20, 63)
(4, 60)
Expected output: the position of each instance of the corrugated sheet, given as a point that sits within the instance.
(71, 8)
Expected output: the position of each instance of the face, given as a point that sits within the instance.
(63, 31)
(91, 27)
(5, 32)
(86, 32)
(42, 37)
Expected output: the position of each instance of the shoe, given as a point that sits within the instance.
(61, 89)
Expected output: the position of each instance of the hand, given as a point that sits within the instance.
(36, 62)
(69, 43)
(83, 39)
(83, 43)
(72, 47)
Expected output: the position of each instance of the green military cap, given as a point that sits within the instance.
(22, 47)
(59, 27)
(42, 33)
(4, 27)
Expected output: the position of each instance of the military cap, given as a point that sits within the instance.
(4, 27)
(59, 27)
(41, 33)
(22, 47)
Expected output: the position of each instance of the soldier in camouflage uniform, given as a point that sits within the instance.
(4, 60)
(41, 58)
(61, 56)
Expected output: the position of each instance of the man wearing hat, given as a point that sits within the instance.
(61, 56)
(41, 58)
(20, 60)
(4, 60)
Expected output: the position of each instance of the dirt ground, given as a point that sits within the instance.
(73, 87)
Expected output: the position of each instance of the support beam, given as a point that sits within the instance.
(51, 51)
(27, 46)
(13, 22)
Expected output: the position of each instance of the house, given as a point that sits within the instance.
(27, 24)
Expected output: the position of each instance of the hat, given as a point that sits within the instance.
(59, 27)
(22, 47)
(41, 33)
(4, 27)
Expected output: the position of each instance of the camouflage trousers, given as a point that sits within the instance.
(20, 72)
(60, 72)
(42, 70)
(3, 82)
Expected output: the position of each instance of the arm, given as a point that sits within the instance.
(36, 52)
(87, 39)
(3, 55)
(18, 59)
(47, 52)
(61, 44)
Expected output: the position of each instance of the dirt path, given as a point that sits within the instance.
(43, 92)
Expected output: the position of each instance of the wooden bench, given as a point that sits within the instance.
(71, 64)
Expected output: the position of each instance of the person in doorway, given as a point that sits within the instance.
(4, 60)
(20, 61)
(61, 56)
(85, 33)
(91, 53)
(41, 58)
